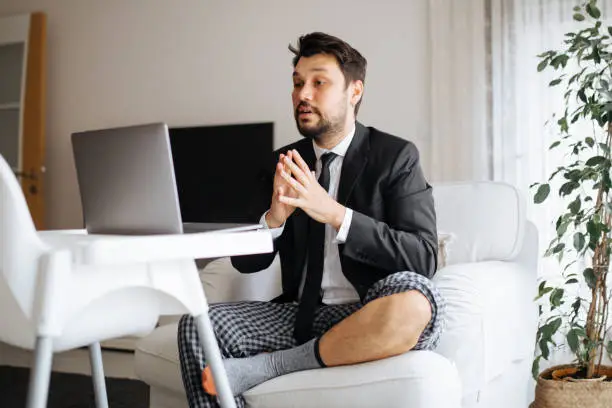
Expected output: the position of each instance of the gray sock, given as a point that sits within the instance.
(246, 373)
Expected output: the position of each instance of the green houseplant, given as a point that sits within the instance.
(584, 228)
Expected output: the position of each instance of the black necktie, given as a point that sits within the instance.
(311, 294)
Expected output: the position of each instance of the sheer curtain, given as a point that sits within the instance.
(459, 120)
(523, 102)
(490, 106)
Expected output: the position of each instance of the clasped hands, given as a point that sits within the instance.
(296, 186)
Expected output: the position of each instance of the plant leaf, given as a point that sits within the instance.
(609, 347)
(593, 11)
(579, 241)
(568, 187)
(558, 248)
(555, 82)
(578, 17)
(543, 292)
(580, 331)
(555, 144)
(542, 193)
(544, 349)
(576, 308)
(549, 329)
(570, 281)
(561, 230)
(595, 160)
(589, 141)
(542, 65)
(572, 340)
(574, 206)
(535, 367)
(555, 297)
(589, 276)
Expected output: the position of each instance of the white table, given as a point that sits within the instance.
(121, 249)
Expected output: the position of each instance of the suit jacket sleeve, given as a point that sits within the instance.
(407, 239)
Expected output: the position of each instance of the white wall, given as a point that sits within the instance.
(193, 62)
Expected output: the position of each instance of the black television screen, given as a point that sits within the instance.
(218, 168)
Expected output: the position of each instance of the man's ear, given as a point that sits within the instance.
(357, 92)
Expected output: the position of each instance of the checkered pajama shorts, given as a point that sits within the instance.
(244, 329)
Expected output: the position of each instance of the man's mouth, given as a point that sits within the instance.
(305, 111)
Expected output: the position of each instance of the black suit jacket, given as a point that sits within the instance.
(394, 223)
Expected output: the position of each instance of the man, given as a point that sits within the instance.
(353, 222)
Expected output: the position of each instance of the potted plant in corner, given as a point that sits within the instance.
(583, 243)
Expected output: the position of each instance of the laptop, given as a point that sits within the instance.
(127, 183)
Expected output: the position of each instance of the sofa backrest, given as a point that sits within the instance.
(486, 220)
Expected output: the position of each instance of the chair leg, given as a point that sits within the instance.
(213, 358)
(97, 374)
(40, 374)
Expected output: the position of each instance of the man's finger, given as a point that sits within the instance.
(294, 202)
(300, 162)
(293, 183)
(279, 167)
(297, 172)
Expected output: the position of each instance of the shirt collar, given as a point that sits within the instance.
(340, 149)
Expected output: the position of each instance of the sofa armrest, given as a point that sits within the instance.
(491, 318)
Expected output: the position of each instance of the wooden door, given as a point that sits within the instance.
(22, 104)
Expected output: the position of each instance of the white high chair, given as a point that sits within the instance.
(61, 290)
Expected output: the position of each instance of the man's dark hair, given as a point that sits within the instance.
(351, 62)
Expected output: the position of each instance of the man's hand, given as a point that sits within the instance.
(279, 211)
(308, 194)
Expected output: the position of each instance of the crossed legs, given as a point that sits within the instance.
(401, 312)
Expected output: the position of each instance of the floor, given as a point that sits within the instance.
(68, 390)
(117, 364)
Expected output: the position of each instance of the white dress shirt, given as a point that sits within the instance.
(336, 288)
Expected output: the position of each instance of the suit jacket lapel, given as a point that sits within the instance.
(354, 162)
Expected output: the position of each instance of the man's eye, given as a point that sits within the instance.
(319, 83)
(297, 84)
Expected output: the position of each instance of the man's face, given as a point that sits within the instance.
(320, 96)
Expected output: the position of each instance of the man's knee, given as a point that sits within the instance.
(406, 315)
(418, 311)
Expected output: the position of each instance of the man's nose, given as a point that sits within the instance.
(305, 93)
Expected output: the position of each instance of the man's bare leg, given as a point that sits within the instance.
(385, 327)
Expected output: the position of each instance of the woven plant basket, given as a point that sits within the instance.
(573, 394)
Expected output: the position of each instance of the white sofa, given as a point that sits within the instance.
(484, 356)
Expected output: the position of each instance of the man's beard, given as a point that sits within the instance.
(324, 126)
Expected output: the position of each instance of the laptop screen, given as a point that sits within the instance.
(218, 168)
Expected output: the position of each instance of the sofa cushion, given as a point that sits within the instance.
(487, 220)
(223, 283)
(392, 382)
(414, 379)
